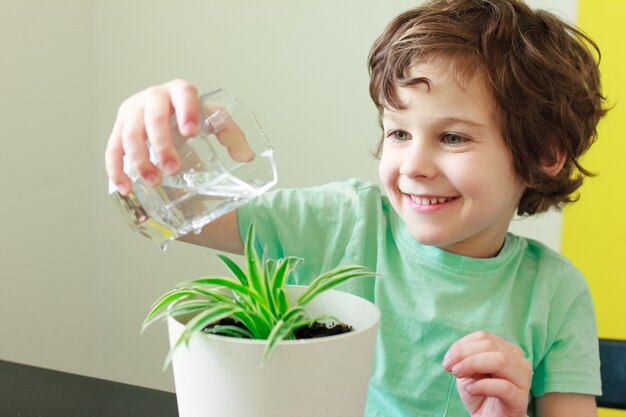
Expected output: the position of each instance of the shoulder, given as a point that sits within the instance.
(538, 250)
(548, 264)
(327, 212)
(554, 282)
(331, 224)
(334, 194)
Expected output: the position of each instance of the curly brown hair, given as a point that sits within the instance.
(542, 73)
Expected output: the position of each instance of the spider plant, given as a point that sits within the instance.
(256, 299)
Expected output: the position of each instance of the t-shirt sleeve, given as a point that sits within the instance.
(572, 362)
(316, 224)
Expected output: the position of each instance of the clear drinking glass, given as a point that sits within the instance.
(229, 162)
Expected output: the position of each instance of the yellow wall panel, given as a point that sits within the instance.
(594, 228)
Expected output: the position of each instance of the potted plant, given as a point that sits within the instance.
(234, 345)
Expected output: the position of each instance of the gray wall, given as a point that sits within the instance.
(76, 282)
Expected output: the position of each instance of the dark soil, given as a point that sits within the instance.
(317, 329)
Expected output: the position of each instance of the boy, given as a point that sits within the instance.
(486, 107)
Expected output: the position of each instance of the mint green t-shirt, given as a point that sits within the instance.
(430, 298)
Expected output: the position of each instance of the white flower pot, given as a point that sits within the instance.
(217, 376)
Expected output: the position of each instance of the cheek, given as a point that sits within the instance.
(497, 184)
(388, 171)
(384, 170)
(482, 172)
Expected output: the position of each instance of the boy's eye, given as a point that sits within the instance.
(453, 140)
(399, 136)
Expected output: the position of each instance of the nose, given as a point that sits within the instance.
(419, 160)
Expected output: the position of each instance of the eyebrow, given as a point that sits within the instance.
(442, 121)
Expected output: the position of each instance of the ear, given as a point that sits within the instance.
(555, 166)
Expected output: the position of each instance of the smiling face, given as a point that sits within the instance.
(445, 166)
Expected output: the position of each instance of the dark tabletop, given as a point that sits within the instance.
(27, 391)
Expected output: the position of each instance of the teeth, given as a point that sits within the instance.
(429, 201)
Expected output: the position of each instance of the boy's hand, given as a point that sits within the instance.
(147, 115)
(493, 377)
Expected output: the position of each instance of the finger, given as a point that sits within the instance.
(496, 364)
(184, 100)
(134, 141)
(158, 128)
(502, 389)
(114, 160)
(473, 343)
(465, 349)
(481, 335)
(228, 133)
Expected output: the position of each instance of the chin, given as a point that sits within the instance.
(428, 239)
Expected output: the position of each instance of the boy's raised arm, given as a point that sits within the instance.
(221, 234)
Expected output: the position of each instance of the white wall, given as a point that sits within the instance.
(46, 179)
(76, 282)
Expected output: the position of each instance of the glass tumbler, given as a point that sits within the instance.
(228, 162)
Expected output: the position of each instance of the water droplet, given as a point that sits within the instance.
(163, 246)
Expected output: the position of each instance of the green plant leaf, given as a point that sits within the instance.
(276, 273)
(179, 309)
(256, 276)
(269, 268)
(219, 296)
(293, 319)
(282, 272)
(163, 301)
(229, 330)
(228, 283)
(282, 301)
(259, 323)
(235, 269)
(331, 279)
(259, 327)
